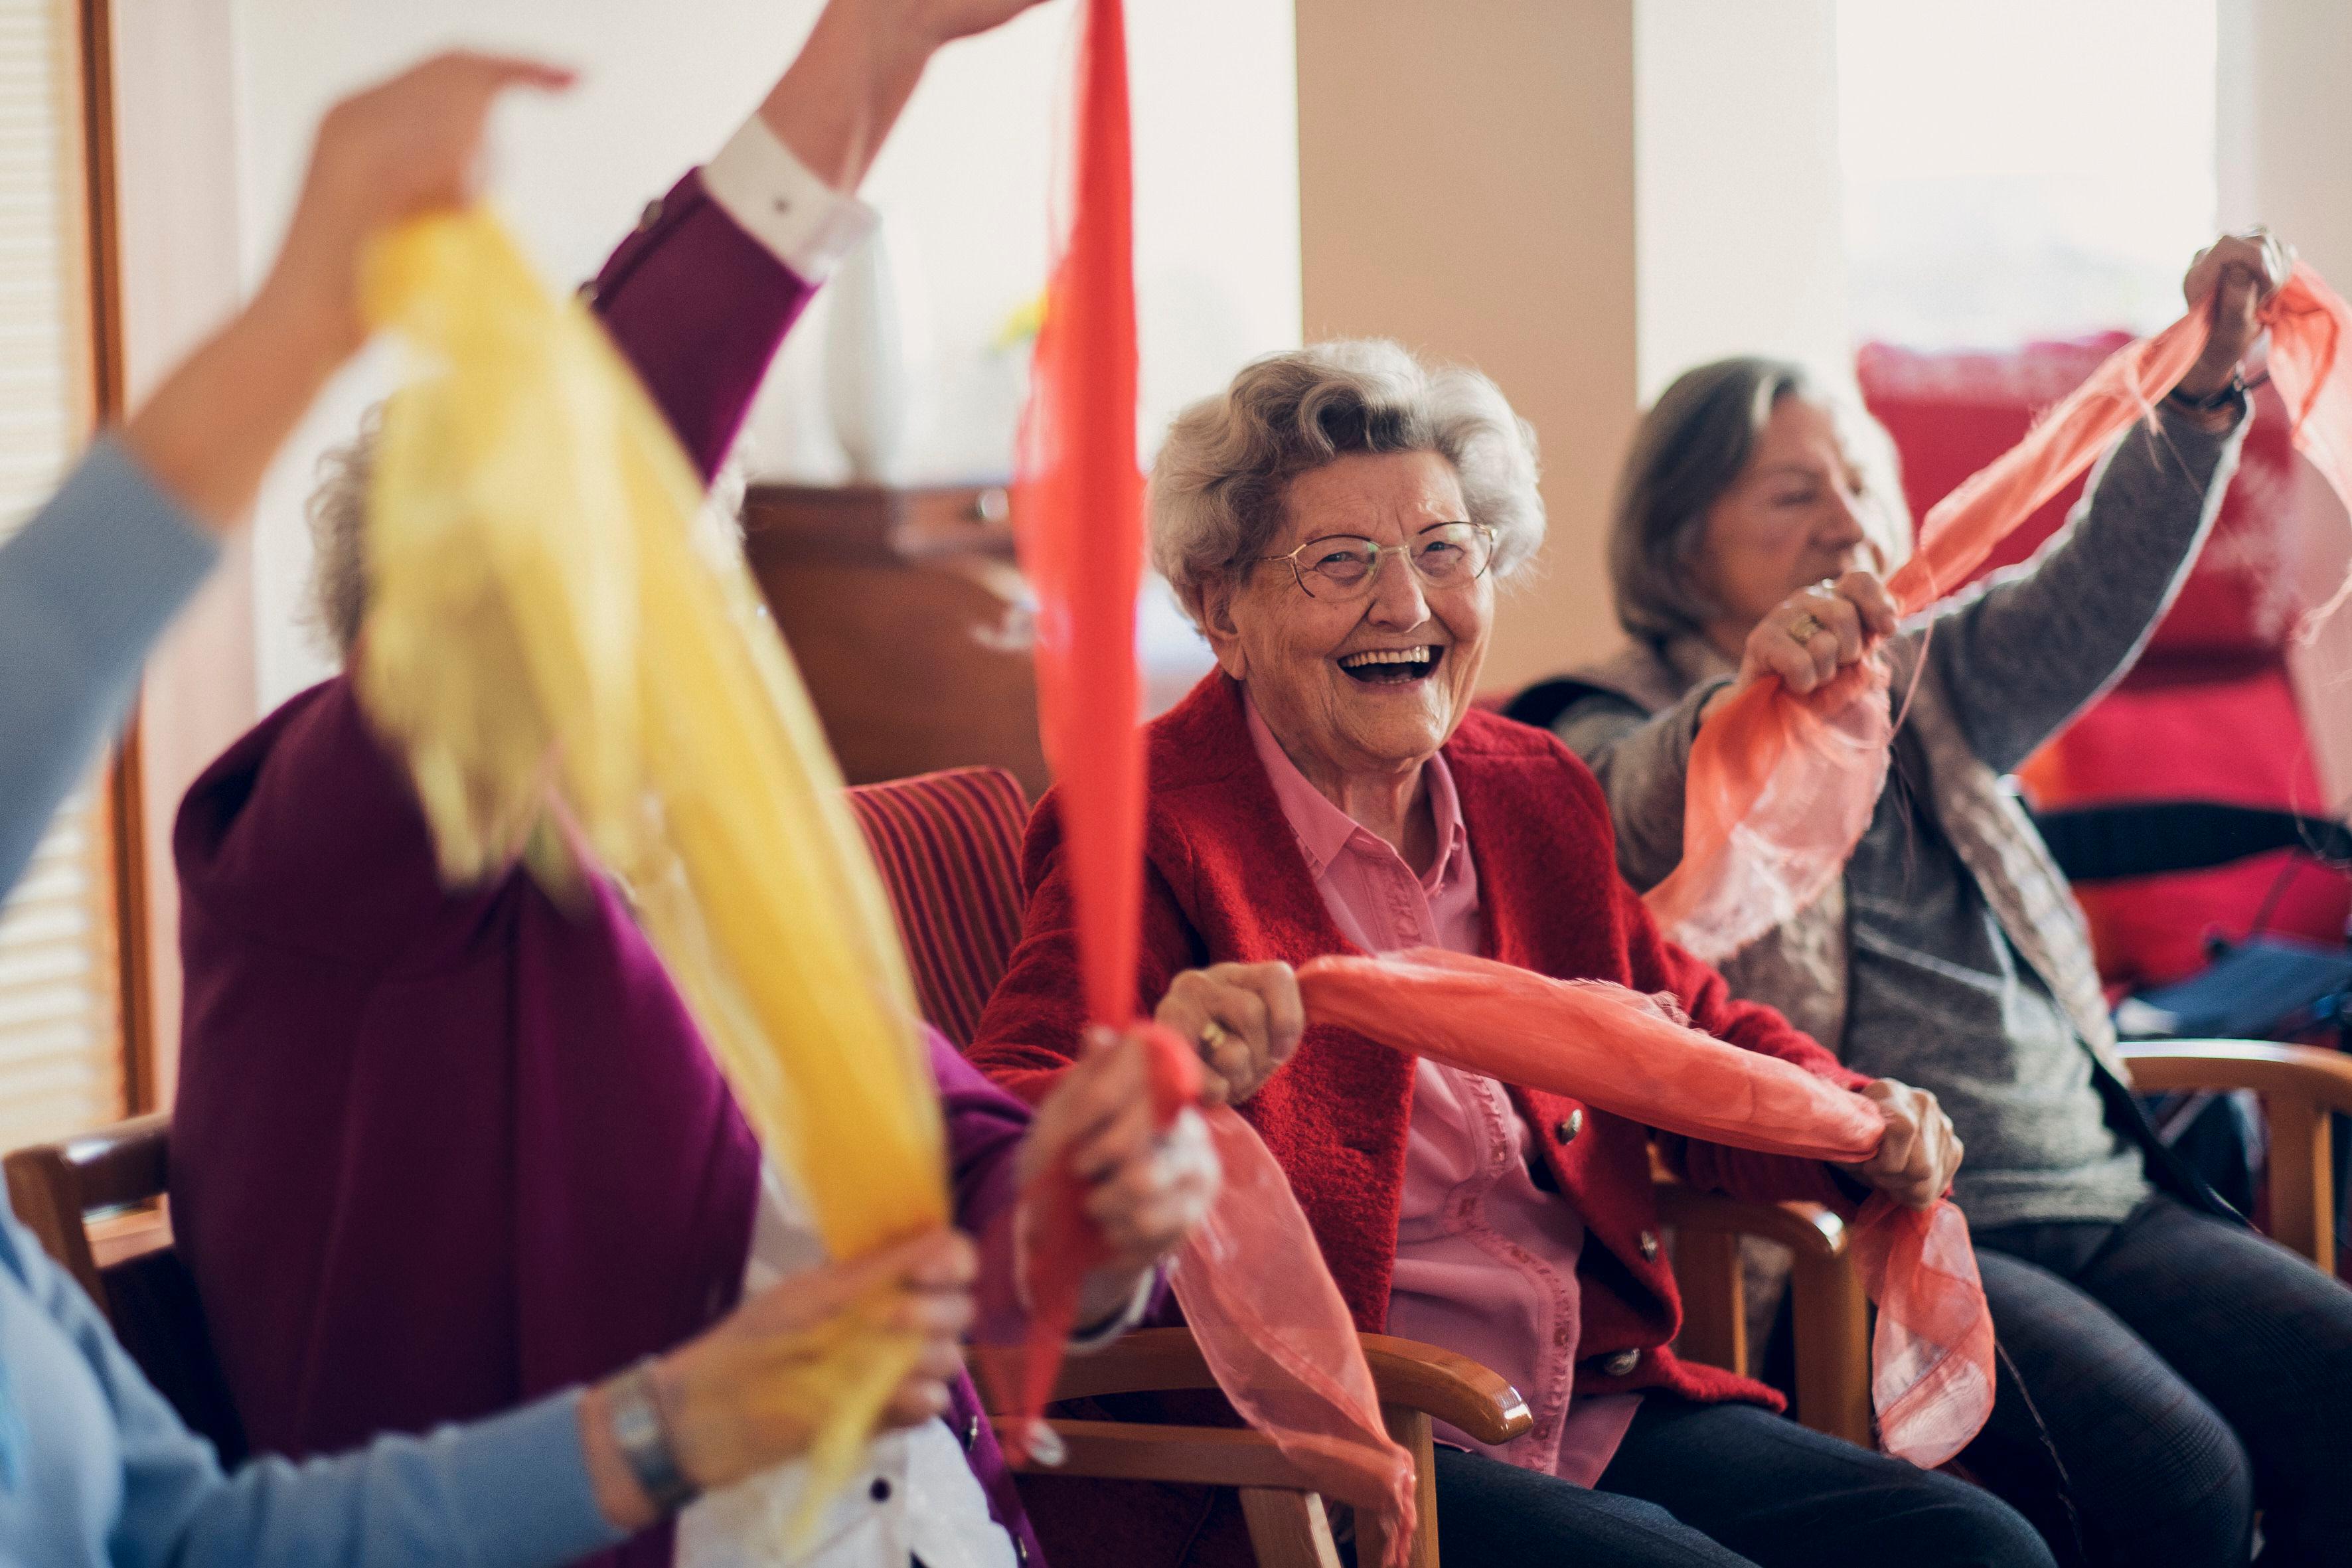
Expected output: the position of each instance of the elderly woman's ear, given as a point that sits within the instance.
(1217, 595)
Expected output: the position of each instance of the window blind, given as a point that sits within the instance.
(61, 1053)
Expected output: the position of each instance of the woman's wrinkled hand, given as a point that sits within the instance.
(1245, 1019)
(1817, 631)
(2234, 278)
(1146, 1188)
(734, 1400)
(1916, 1158)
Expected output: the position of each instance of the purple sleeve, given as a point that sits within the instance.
(985, 1126)
(700, 307)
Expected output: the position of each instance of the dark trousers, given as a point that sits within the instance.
(2186, 1372)
(1726, 1486)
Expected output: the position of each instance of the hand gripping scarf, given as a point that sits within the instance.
(1637, 1057)
(1268, 1319)
(1781, 786)
(556, 661)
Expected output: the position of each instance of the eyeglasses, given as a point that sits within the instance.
(1340, 566)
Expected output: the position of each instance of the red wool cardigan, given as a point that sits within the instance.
(1228, 884)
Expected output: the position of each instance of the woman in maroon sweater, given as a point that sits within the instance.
(1332, 789)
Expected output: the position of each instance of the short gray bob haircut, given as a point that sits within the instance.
(1690, 448)
(1218, 488)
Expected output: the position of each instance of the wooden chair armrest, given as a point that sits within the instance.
(1809, 1230)
(1451, 1388)
(2302, 1072)
(2300, 1085)
(1190, 1456)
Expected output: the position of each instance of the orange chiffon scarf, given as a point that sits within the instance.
(1781, 786)
(1637, 1057)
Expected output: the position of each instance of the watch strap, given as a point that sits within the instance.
(642, 1434)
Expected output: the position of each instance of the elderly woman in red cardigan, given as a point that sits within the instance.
(1336, 523)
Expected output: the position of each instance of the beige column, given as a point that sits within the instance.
(1582, 198)
(1466, 186)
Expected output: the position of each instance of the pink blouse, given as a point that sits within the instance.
(1486, 1261)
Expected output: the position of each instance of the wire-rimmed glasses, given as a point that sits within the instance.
(1343, 566)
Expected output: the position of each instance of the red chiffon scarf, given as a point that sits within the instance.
(1638, 1057)
(1780, 787)
(1268, 1319)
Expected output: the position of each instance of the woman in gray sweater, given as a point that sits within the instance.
(2178, 1372)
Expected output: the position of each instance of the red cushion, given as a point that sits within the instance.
(948, 847)
(1952, 413)
(2209, 714)
(2237, 740)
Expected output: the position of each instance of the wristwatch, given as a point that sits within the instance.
(643, 1437)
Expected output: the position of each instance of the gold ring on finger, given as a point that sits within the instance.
(1805, 627)
(1215, 1037)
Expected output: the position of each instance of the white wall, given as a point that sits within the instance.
(2286, 140)
(175, 172)
(963, 185)
(1739, 204)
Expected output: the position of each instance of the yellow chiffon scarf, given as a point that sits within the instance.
(563, 669)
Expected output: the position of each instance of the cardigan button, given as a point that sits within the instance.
(650, 216)
(1623, 1363)
(1649, 1246)
(1565, 1131)
(588, 293)
(1020, 1550)
(970, 1433)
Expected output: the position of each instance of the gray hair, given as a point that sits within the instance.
(1218, 488)
(338, 508)
(337, 513)
(1690, 448)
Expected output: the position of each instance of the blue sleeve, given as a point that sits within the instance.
(511, 1491)
(85, 587)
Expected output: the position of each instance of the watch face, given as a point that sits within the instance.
(635, 1425)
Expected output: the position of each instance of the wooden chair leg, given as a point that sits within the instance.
(1833, 1348)
(1287, 1529)
(1411, 1430)
(1715, 1300)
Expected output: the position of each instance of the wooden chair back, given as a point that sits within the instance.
(95, 1203)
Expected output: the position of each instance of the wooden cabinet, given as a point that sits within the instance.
(910, 622)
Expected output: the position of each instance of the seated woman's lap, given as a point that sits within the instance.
(2188, 1371)
(1783, 1496)
(1489, 1511)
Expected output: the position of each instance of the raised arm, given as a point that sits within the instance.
(2031, 647)
(99, 572)
(701, 296)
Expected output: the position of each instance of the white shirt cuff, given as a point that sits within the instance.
(771, 195)
(1095, 1336)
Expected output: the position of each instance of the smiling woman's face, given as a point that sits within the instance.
(1800, 512)
(1372, 685)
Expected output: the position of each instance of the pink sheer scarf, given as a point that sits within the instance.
(1638, 1057)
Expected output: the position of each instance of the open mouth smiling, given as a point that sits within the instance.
(1391, 666)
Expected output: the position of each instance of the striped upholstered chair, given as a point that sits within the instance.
(948, 847)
